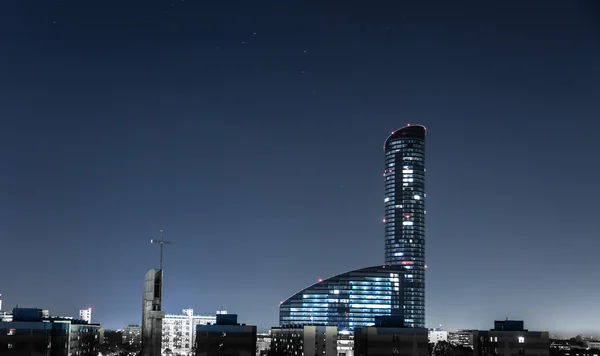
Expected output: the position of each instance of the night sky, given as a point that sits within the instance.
(252, 132)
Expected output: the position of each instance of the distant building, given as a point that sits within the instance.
(297, 340)
(132, 335)
(226, 338)
(437, 335)
(509, 337)
(113, 337)
(389, 337)
(592, 344)
(32, 334)
(5, 316)
(263, 344)
(101, 335)
(179, 331)
(461, 338)
(348, 300)
(86, 314)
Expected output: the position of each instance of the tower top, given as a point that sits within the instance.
(162, 242)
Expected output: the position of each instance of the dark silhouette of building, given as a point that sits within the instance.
(113, 338)
(305, 340)
(226, 338)
(32, 334)
(389, 337)
(404, 220)
(509, 337)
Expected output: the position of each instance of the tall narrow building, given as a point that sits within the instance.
(404, 219)
(152, 314)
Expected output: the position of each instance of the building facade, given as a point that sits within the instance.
(461, 338)
(179, 331)
(509, 338)
(86, 314)
(390, 337)
(226, 338)
(263, 343)
(113, 337)
(152, 314)
(345, 343)
(132, 335)
(298, 340)
(404, 220)
(348, 300)
(31, 334)
(437, 335)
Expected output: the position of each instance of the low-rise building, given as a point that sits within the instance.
(509, 337)
(592, 344)
(32, 334)
(179, 331)
(436, 335)
(305, 340)
(390, 337)
(263, 344)
(226, 338)
(5, 316)
(461, 338)
(113, 337)
(132, 335)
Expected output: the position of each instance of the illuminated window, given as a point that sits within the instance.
(521, 339)
(11, 332)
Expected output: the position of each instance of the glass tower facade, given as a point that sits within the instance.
(404, 220)
(349, 300)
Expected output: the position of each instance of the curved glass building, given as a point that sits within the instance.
(348, 300)
(404, 221)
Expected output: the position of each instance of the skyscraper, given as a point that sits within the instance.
(404, 220)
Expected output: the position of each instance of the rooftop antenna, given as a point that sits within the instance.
(162, 242)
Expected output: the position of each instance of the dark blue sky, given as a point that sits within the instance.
(252, 132)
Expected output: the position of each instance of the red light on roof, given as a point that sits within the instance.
(425, 266)
(383, 220)
(320, 280)
(280, 302)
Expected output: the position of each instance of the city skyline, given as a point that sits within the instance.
(255, 141)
